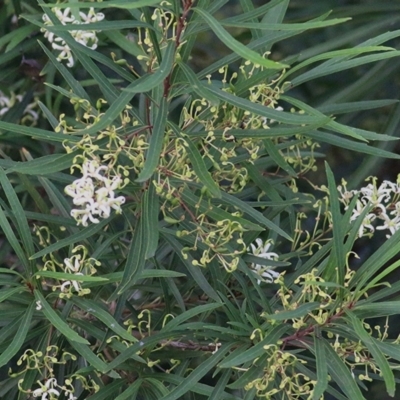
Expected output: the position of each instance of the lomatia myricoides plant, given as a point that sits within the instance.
(172, 243)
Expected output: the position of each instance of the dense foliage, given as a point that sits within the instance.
(170, 225)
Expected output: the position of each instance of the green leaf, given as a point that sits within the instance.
(23, 228)
(340, 374)
(124, 4)
(195, 272)
(78, 237)
(335, 270)
(389, 249)
(135, 260)
(194, 377)
(174, 323)
(89, 356)
(261, 110)
(299, 312)
(148, 82)
(200, 88)
(131, 392)
(8, 292)
(255, 351)
(350, 144)
(44, 165)
(75, 86)
(199, 165)
(286, 27)
(19, 338)
(352, 52)
(151, 209)
(156, 142)
(274, 153)
(13, 241)
(379, 358)
(324, 70)
(36, 133)
(322, 368)
(375, 310)
(57, 321)
(67, 276)
(236, 46)
(102, 315)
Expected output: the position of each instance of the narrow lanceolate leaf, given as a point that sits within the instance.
(340, 374)
(193, 270)
(156, 142)
(376, 352)
(57, 321)
(23, 228)
(299, 312)
(102, 315)
(277, 157)
(257, 350)
(89, 356)
(13, 241)
(198, 86)
(337, 262)
(263, 111)
(174, 323)
(194, 377)
(151, 209)
(124, 4)
(19, 337)
(236, 46)
(286, 27)
(75, 238)
(322, 368)
(143, 244)
(67, 276)
(148, 82)
(36, 133)
(44, 165)
(199, 165)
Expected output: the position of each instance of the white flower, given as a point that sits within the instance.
(47, 389)
(94, 193)
(261, 249)
(87, 38)
(382, 198)
(7, 102)
(392, 224)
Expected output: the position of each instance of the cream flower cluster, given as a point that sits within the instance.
(261, 249)
(384, 203)
(87, 38)
(7, 102)
(51, 390)
(94, 193)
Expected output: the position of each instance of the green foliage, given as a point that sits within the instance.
(166, 229)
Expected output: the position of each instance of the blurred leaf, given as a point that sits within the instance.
(19, 338)
(175, 322)
(68, 276)
(383, 364)
(93, 308)
(156, 142)
(322, 368)
(57, 321)
(340, 374)
(236, 46)
(299, 312)
(198, 373)
(148, 82)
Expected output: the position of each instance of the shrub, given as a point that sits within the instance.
(164, 232)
